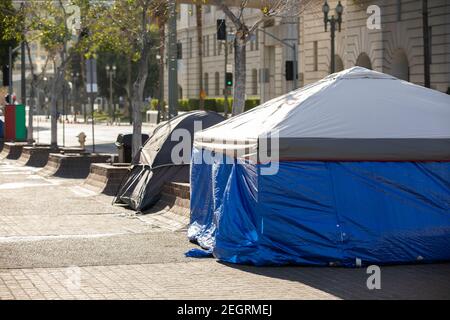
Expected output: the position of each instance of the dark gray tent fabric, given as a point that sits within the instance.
(143, 185)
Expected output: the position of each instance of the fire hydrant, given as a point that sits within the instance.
(82, 139)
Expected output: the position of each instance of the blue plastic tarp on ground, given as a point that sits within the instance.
(321, 213)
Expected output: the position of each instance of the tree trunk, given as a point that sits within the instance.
(129, 90)
(199, 18)
(82, 91)
(240, 76)
(54, 109)
(137, 119)
(54, 113)
(30, 139)
(138, 94)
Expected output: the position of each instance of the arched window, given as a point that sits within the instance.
(400, 65)
(206, 80)
(254, 82)
(364, 61)
(217, 83)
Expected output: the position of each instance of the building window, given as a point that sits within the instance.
(206, 81)
(257, 40)
(252, 45)
(254, 82)
(219, 49)
(217, 84)
(215, 45)
(399, 10)
(207, 45)
(190, 48)
(203, 46)
(206, 9)
(316, 56)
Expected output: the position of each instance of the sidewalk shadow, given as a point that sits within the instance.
(426, 281)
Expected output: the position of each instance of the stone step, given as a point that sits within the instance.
(35, 156)
(12, 150)
(175, 197)
(72, 165)
(106, 178)
(178, 189)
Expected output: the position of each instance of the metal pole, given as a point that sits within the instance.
(295, 82)
(111, 104)
(294, 50)
(225, 80)
(10, 88)
(64, 112)
(173, 63)
(426, 44)
(23, 93)
(333, 29)
(92, 105)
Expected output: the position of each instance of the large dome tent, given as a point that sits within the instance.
(363, 175)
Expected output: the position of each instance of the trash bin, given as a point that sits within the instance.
(1, 130)
(15, 129)
(124, 144)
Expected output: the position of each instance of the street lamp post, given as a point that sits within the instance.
(326, 10)
(173, 61)
(111, 72)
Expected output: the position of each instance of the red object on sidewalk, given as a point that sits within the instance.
(10, 123)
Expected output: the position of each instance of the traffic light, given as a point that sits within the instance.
(5, 71)
(221, 29)
(289, 70)
(229, 79)
(179, 51)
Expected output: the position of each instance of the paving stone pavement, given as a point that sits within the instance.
(61, 241)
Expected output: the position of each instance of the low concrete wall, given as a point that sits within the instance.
(175, 197)
(71, 165)
(106, 178)
(35, 156)
(12, 150)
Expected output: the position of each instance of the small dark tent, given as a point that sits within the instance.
(155, 165)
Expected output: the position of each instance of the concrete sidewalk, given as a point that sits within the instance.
(61, 241)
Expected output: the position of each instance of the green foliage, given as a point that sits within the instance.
(118, 27)
(9, 31)
(118, 33)
(211, 104)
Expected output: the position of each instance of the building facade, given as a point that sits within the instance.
(396, 47)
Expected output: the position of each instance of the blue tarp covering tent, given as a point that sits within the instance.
(358, 172)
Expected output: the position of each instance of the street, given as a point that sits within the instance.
(105, 135)
(59, 240)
